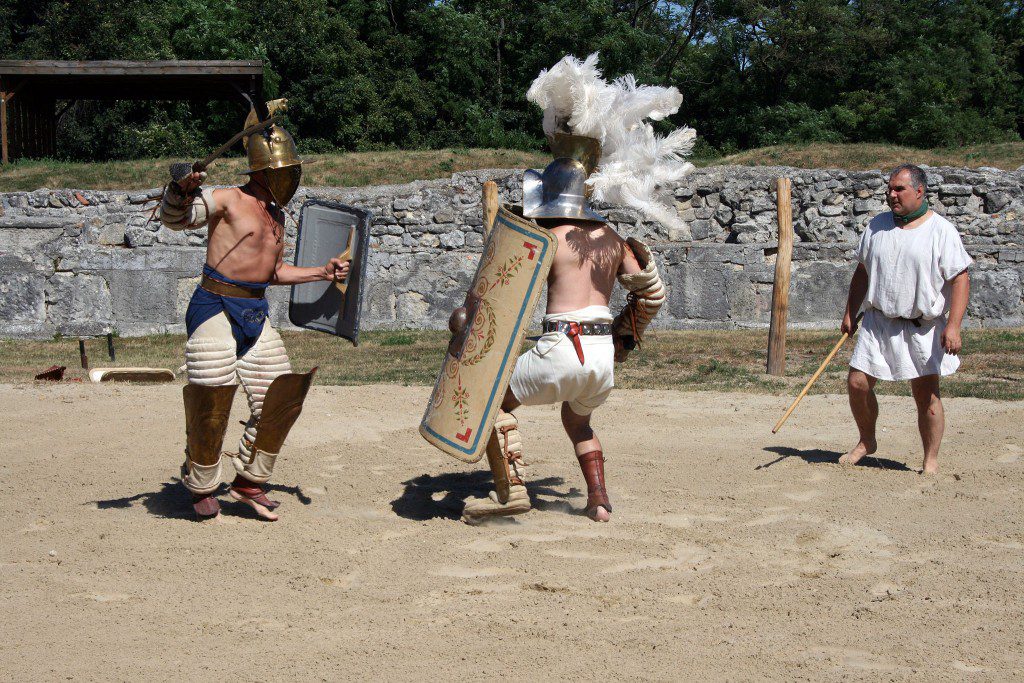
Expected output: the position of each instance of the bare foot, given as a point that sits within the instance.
(930, 466)
(262, 510)
(864, 447)
(598, 513)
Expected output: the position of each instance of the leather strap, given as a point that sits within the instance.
(915, 321)
(236, 291)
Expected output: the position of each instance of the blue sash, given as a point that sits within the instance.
(245, 315)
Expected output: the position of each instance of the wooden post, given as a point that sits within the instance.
(4, 154)
(489, 205)
(780, 290)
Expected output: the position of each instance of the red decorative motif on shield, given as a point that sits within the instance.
(533, 249)
(465, 436)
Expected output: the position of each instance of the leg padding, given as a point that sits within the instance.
(281, 408)
(265, 361)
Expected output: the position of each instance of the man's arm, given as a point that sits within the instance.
(187, 207)
(285, 274)
(858, 290)
(961, 289)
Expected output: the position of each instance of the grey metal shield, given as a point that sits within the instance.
(328, 229)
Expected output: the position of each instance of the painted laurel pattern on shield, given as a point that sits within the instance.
(482, 335)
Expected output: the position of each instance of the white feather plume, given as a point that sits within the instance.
(634, 161)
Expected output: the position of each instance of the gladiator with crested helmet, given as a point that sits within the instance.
(230, 340)
(604, 151)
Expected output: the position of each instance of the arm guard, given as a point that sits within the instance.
(646, 296)
(179, 211)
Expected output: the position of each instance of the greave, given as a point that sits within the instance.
(592, 464)
(206, 420)
(280, 409)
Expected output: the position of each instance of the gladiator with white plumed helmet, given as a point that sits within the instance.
(605, 151)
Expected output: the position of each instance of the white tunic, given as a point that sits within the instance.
(909, 273)
(551, 372)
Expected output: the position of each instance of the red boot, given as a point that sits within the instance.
(592, 464)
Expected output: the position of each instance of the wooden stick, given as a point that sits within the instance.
(780, 289)
(490, 205)
(813, 379)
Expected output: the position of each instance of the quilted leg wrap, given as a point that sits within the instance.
(264, 362)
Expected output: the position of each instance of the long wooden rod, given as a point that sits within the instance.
(814, 378)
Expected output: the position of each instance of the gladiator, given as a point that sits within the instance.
(230, 340)
(573, 361)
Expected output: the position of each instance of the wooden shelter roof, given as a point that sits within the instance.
(117, 79)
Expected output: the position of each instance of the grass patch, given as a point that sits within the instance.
(353, 169)
(357, 169)
(993, 360)
(866, 156)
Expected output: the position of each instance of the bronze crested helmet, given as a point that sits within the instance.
(273, 151)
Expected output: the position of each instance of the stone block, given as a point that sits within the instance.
(995, 294)
(79, 304)
(996, 201)
(955, 190)
(22, 295)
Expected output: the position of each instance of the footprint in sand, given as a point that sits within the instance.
(468, 573)
(849, 657)
(576, 555)
(689, 600)
(768, 519)
(488, 545)
(109, 597)
(683, 556)
(969, 668)
(1012, 454)
(803, 496)
(344, 582)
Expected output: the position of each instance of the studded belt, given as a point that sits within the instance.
(566, 327)
(227, 289)
(573, 330)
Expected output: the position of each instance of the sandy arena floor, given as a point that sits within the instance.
(732, 554)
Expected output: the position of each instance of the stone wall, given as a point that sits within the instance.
(79, 262)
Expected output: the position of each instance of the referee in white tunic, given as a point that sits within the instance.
(912, 281)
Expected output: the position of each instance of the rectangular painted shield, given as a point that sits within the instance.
(479, 361)
(328, 229)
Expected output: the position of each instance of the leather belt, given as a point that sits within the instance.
(915, 321)
(565, 326)
(573, 330)
(226, 289)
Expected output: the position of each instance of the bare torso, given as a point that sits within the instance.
(246, 236)
(588, 258)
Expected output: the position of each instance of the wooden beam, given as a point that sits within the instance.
(37, 67)
(780, 290)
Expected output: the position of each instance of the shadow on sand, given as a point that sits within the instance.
(816, 456)
(173, 501)
(422, 498)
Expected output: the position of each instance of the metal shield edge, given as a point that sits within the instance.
(474, 452)
(365, 219)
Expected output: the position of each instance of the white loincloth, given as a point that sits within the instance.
(894, 349)
(550, 372)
